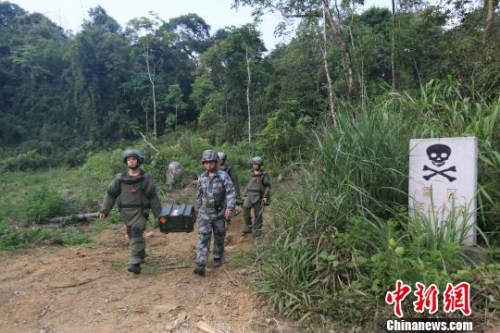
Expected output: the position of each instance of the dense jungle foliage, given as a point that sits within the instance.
(332, 111)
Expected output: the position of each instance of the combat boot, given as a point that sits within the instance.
(135, 268)
(199, 269)
(143, 256)
(247, 230)
(217, 262)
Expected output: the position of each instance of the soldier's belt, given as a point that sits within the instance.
(258, 191)
(132, 206)
(213, 209)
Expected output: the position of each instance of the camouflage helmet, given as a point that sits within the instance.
(132, 153)
(222, 156)
(209, 155)
(257, 160)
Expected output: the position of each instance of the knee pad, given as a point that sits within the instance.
(220, 233)
(136, 232)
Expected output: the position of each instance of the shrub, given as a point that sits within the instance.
(43, 202)
(286, 132)
(26, 161)
(10, 238)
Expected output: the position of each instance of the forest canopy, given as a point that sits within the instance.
(109, 82)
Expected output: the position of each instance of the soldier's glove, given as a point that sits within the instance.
(228, 214)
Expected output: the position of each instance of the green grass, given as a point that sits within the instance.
(31, 197)
(346, 225)
(242, 259)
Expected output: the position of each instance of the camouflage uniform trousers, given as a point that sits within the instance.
(135, 221)
(256, 204)
(207, 224)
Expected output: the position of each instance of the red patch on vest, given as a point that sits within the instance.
(133, 189)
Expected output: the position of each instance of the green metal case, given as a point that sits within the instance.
(176, 218)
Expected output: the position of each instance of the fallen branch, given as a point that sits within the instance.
(205, 327)
(56, 221)
(76, 284)
(231, 278)
(148, 143)
(168, 267)
(75, 218)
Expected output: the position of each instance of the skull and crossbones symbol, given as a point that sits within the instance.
(438, 154)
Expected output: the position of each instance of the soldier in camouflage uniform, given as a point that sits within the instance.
(230, 170)
(135, 192)
(215, 203)
(258, 194)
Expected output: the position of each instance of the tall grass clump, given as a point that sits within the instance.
(359, 169)
(348, 217)
(358, 174)
(446, 108)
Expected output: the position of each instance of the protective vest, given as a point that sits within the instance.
(258, 183)
(132, 192)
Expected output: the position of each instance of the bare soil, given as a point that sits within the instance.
(88, 289)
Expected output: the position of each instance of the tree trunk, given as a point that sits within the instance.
(146, 107)
(248, 97)
(346, 55)
(490, 13)
(151, 74)
(176, 108)
(325, 62)
(154, 107)
(70, 218)
(393, 45)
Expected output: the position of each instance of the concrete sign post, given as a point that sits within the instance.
(443, 184)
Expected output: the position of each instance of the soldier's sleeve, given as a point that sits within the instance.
(112, 193)
(266, 182)
(199, 198)
(152, 195)
(234, 177)
(230, 193)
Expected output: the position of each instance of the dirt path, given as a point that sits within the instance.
(88, 289)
